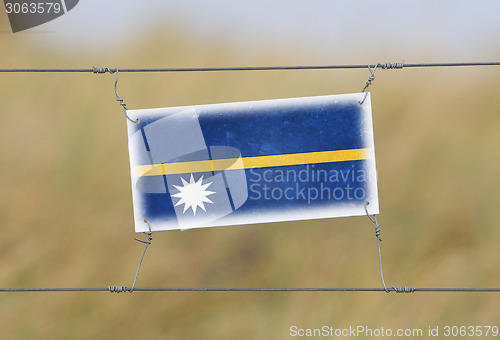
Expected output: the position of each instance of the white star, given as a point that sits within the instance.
(193, 194)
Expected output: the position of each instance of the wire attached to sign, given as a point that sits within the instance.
(385, 66)
(122, 289)
(102, 70)
(377, 235)
(368, 83)
(118, 99)
(147, 242)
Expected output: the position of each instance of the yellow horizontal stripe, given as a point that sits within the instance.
(252, 162)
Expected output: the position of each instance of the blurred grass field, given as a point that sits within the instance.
(66, 207)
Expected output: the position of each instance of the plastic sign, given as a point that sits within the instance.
(252, 162)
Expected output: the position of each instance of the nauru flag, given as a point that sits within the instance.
(252, 162)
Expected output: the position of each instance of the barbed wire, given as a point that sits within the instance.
(397, 65)
(122, 289)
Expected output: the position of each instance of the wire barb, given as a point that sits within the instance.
(392, 66)
(404, 289)
(102, 70)
(118, 289)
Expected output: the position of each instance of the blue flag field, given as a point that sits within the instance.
(252, 162)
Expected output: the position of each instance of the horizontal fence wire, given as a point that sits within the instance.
(120, 289)
(398, 65)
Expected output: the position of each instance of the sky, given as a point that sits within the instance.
(446, 30)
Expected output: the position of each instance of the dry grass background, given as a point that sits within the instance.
(66, 211)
